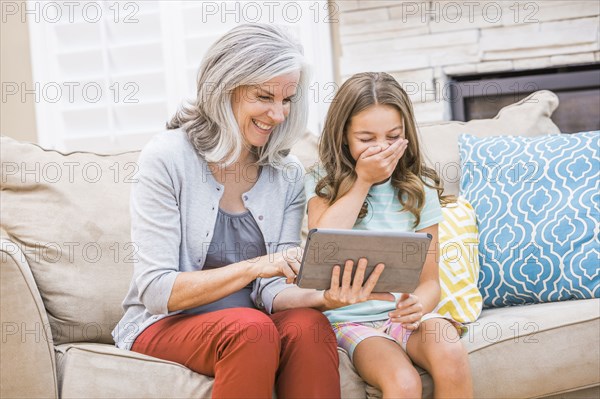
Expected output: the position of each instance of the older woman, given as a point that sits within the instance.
(217, 203)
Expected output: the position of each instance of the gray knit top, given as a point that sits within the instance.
(236, 237)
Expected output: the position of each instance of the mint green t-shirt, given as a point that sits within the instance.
(384, 213)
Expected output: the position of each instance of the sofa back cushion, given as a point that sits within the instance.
(69, 213)
(537, 203)
(528, 117)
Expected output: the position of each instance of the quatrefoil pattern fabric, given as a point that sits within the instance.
(537, 202)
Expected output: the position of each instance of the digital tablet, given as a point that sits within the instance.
(402, 253)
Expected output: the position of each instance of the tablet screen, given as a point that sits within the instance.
(402, 253)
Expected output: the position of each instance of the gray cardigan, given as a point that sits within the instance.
(174, 204)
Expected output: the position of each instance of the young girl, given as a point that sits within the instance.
(372, 177)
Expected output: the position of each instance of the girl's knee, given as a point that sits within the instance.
(451, 363)
(453, 352)
(403, 384)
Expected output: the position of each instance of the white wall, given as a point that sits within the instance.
(17, 114)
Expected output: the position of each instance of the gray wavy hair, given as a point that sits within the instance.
(248, 54)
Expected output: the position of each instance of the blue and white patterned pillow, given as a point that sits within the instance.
(537, 202)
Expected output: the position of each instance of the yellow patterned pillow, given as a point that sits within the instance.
(459, 263)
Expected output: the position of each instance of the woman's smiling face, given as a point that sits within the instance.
(258, 109)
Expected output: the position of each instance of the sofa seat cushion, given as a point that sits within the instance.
(104, 371)
(91, 370)
(535, 350)
(542, 349)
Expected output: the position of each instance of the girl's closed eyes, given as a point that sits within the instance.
(371, 140)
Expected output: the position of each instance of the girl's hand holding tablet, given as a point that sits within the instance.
(356, 290)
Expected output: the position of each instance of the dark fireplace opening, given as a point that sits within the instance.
(577, 87)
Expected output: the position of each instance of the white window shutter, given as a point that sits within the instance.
(109, 78)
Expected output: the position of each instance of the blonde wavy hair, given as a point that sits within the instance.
(248, 54)
(337, 175)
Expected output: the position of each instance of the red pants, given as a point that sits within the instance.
(249, 352)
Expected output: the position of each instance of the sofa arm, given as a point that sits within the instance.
(27, 363)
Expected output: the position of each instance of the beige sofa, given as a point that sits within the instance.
(66, 263)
